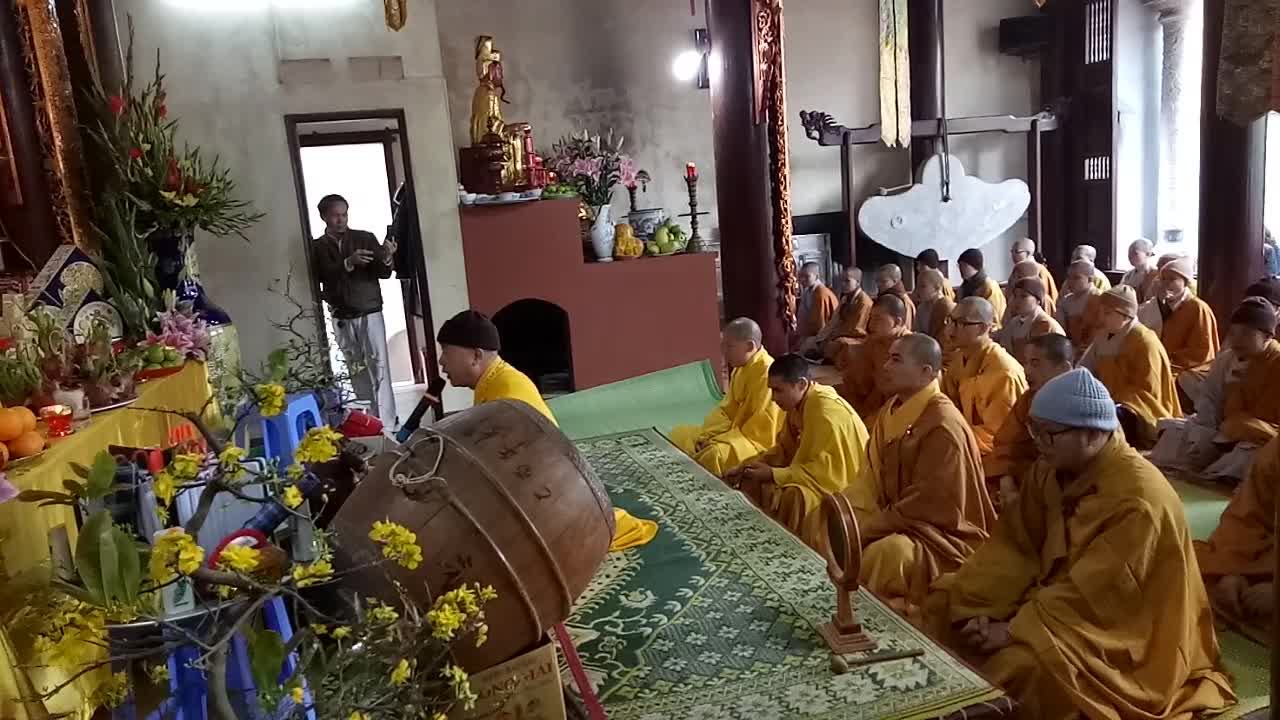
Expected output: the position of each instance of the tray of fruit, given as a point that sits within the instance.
(559, 190)
(668, 239)
(160, 361)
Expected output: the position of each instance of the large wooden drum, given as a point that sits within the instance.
(498, 496)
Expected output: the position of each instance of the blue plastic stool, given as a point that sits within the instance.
(282, 433)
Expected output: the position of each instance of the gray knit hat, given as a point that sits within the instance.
(1076, 399)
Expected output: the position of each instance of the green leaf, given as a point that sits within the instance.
(31, 496)
(278, 364)
(101, 475)
(109, 564)
(266, 657)
(81, 471)
(93, 536)
(130, 566)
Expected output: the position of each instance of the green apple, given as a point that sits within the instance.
(661, 235)
(155, 355)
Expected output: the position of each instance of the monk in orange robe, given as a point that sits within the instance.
(1189, 330)
(932, 508)
(860, 366)
(1087, 600)
(933, 306)
(1027, 270)
(816, 304)
(981, 378)
(1238, 559)
(820, 450)
(1090, 253)
(929, 260)
(1013, 452)
(1080, 308)
(977, 284)
(1026, 319)
(889, 282)
(1129, 359)
(848, 326)
(1142, 278)
(1024, 250)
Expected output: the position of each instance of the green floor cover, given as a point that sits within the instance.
(648, 480)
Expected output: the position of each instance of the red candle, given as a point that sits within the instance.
(57, 418)
(691, 171)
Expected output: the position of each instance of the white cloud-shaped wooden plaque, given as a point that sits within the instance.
(918, 219)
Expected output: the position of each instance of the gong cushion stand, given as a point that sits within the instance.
(844, 634)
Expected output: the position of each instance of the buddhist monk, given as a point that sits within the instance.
(929, 260)
(1087, 600)
(1238, 560)
(1027, 318)
(977, 284)
(1152, 312)
(860, 367)
(1129, 359)
(1080, 307)
(816, 304)
(931, 507)
(1142, 278)
(1090, 253)
(746, 422)
(1013, 451)
(849, 323)
(1028, 269)
(1190, 330)
(981, 377)
(933, 307)
(821, 449)
(1024, 250)
(889, 282)
(469, 346)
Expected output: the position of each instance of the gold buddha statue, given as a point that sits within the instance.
(486, 104)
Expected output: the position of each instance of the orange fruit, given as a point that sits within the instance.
(11, 425)
(26, 444)
(28, 417)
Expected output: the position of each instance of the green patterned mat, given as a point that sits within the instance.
(716, 618)
(663, 399)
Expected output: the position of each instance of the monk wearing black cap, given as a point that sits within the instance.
(978, 284)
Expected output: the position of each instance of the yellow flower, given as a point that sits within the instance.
(270, 399)
(295, 472)
(297, 695)
(186, 467)
(319, 446)
(382, 614)
(113, 692)
(159, 674)
(229, 461)
(457, 678)
(487, 593)
(319, 629)
(174, 550)
(482, 634)
(357, 715)
(313, 574)
(292, 496)
(398, 543)
(446, 620)
(225, 591)
(402, 673)
(239, 558)
(439, 716)
(164, 488)
(188, 200)
(76, 634)
(341, 632)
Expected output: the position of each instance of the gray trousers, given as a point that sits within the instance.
(363, 342)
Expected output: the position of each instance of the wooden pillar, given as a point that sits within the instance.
(742, 175)
(925, 61)
(1232, 176)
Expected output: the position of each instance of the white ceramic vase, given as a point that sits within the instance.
(602, 235)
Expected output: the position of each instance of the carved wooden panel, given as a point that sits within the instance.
(10, 189)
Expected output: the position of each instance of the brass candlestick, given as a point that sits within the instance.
(695, 240)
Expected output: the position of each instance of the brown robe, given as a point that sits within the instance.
(848, 326)
(1251, 409)
(901, 291)
(1013, 451)
(1190, 336)
(941, 310)
(860, 372)
(1244, 541)
(1084, 326)
(824, 306)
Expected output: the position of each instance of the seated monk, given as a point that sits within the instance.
(931, 507)
(1090, 253)
(469, 346)
(1027, 269)
(1142, 278)
(860, 366)
(849, 323)
(1024, 250)
(1080, 308)
(1152, 312)
(820, 450)
(1129, 359)
(816, 304)
(981, 378)
(1013, 451)
(977, 284)
(889, 282)
(929, 260)
(746, 421)
(1087, 601)
(1189, 329)
(933, 307)
(1238, 559)
(1027, 318)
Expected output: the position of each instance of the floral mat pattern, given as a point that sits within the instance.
(717, 617)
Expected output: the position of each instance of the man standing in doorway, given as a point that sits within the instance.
(350, 264)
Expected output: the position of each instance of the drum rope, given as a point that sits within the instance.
(403, 480)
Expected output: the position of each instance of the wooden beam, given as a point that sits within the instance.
(1034, 160)
(820, 126)
(846, 203)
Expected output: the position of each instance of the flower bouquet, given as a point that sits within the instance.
(593, 165)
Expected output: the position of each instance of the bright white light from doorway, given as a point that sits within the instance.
(686, 65)
(242, 6)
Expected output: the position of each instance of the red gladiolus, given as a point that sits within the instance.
(172, 178)
(116, 104)
(135, 153)
(162, 111)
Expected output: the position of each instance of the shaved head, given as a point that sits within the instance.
(1026, 245)
(1084, 267)
(744, 329)
(811, 267)
(921, 350)
(1025, 269)
(891, 305)
(853, 273)
(1143, 246)
(1087, 252)
(890, 271)
(975, 309)
(1056, 348)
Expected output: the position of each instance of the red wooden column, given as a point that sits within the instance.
(742, 175)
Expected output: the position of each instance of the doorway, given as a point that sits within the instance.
(364, 156)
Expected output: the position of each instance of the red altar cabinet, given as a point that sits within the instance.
(571, 324)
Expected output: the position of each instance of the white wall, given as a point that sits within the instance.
(223, 64)
(1138, 64)
(1271, 214)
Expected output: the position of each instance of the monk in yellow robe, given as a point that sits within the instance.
(931, 507)
(1026, 319)
(816, 304)
(1090, 253)
(1189, 329)
(1024, 250)
(860, 366)
(820, 450)
(889, 282)
(977, 284)
(1029, 269)
(1087, 600)
(933, 306)
(469, 346)
(746, 421)
(929, 260)
(1080, 308)
(1013, 452)
(1129, 359)
(981, 378)
(1238, 559)
(848, 326)
(1142, 278)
